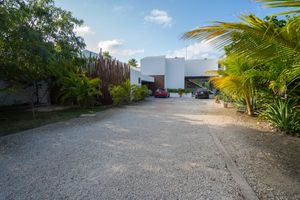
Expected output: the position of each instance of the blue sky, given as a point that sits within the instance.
(139, 28)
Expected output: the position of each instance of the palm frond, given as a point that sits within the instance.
(282, 4)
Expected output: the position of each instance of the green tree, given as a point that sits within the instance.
(36, 37)
(237, 80)
(132, 62)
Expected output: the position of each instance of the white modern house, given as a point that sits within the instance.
(171, 73)
(137, 78)
(174, 73)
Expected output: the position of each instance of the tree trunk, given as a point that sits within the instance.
(248, 105)
(32, 110)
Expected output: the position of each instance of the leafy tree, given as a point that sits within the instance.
(36, 37)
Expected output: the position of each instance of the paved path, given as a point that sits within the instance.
(159, 149)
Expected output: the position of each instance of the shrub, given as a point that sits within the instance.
(139, 92)
(78, 89)
(121, 93)
(284, 115)
(180, 90)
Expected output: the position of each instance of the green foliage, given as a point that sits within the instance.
(35, 36)
(237, 80)
(106, 55)
(223, 96)
(121, 94)
(283, 4)
(132, 62)
(78, 89)
(262, 55)
(139, 93)
(284, 115)
(180, 90)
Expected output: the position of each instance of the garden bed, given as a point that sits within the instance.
(20, 118)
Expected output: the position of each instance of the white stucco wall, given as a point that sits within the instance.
(175, 70)
(199, 67)
(135, 74)
(153, 65)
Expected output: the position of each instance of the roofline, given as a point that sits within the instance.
(163, 56)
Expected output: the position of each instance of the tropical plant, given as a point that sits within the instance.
(181, 92)
(139, 92)
(121, 94)
(171, 90)
(237, 80)
(283, 114)
(282, 4)
(78, 89)
(132, 62)
(273, 44)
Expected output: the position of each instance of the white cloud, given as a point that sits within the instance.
(195, 51)
(115, 48)
(83, 30)
(110, 45)
(159, 17)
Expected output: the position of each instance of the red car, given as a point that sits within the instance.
(161, 93)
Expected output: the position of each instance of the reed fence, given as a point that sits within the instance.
(110, 71)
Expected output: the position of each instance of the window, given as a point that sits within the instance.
(139, 80)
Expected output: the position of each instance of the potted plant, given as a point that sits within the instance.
(181, 92)
(225, 100)
(217, 99)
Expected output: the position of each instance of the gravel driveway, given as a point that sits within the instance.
(158, 149)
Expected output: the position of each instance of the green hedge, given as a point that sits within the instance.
(180, 90)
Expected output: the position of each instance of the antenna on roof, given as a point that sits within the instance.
(186, 52)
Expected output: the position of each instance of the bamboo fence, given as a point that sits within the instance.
(110, 71)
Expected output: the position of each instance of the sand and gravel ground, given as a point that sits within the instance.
(159, 149)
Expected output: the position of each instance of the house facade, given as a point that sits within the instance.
(174, 73)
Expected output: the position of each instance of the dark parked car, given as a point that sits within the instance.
(161, 93)
(202, 94)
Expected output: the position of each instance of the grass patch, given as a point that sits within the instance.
(19, 119)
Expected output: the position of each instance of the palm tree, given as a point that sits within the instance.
(262, 40)
(237, 79)
(106, 55)
(132, 62)
(282, 4)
